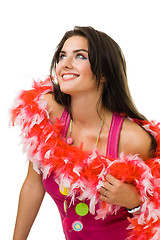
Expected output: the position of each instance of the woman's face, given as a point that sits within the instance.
(73, 70)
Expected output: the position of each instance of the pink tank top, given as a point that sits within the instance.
(113, 227)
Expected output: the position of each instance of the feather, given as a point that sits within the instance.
(83, 173)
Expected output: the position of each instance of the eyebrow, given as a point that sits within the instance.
(75, 51)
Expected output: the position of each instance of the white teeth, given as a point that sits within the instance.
(69, 76)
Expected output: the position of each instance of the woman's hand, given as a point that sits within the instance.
(119, 193)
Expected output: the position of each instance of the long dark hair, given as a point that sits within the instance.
(107, 60)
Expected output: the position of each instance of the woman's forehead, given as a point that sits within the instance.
(75, 42)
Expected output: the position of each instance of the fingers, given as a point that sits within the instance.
(110, 184)
(103, 198)
(107, 192)
(103, 191)
(112, 180)
(105, 195)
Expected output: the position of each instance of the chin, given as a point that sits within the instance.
(65, 90)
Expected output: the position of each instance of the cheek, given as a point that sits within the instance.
(86, 69)
(57, 73)
(59, 67)
(57, 70)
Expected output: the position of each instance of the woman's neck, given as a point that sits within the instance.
(85, 111)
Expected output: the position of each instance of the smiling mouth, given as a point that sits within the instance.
(69, 76)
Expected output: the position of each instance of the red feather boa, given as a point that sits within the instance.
(84, 171)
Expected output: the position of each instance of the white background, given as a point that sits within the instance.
(30, 31)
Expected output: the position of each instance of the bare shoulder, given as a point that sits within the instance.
(135, 140)
(55, 109)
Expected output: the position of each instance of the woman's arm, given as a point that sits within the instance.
(30, 199)
(133, 140)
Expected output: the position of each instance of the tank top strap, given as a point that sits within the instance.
(65, 119)
(113, 136)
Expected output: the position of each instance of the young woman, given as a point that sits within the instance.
(89, 147)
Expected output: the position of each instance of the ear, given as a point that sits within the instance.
(103, 78)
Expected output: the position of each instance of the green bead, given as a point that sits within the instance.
(81, 209)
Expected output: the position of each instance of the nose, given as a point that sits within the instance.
(67, 62)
